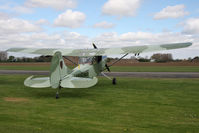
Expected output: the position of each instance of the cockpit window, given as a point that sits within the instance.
(85, 60)
(91, 60)
(104, 57)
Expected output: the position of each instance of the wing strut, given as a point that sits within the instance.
(118, 59)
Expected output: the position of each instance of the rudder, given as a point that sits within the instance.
(58, 70)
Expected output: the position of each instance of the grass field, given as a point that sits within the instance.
(113, 68)
(134, 105)
(155, 68)
(21, 67)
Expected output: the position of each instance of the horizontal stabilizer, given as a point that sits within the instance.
(41, 82)
(78, 82)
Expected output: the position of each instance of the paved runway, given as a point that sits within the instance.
(119, 74)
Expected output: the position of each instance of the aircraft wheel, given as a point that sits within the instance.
(114, 81)
(57, 95)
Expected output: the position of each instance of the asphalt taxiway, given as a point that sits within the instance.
(118, 74)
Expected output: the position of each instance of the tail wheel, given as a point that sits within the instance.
(57, 95)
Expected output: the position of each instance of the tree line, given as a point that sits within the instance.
(28, 59)
(158, 57)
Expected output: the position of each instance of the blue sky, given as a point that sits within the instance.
(108, 23)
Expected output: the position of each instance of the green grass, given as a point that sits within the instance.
(155, 68)
(134, 105)
(21, 67)
(117, 68)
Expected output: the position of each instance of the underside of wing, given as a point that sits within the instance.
(103, 51)
(78, 82)
(141, 49)
(42, 82)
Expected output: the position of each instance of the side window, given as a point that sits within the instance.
(61, 64)
(94, 60)
(85, 60)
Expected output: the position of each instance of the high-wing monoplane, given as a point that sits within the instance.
(92, 62)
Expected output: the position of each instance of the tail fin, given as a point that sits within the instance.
(58, 70)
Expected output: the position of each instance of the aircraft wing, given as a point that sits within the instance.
(102, 51)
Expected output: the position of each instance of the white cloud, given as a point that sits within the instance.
(191, 26)
(171, 12)
(137, 36)
(140, 38)
(121, 8)
(104, 25)
(71, 19)
(14, 25)
(22, 9)
(76, 40)
(44, 40)
(4, 15)
(42, 22)
(56, 4)
(16, 9)
(147, 38)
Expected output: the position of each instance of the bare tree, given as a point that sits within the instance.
(3, 56)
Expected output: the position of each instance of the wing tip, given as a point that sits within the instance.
(186, 44)
(189, 43)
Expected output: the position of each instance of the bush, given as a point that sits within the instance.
(144, 60)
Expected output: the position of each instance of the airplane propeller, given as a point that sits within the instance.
(95, 47)
(106, 66)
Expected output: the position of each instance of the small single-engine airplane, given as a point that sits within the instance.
(92, 62)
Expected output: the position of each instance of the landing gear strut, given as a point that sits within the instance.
(113, 80)
(57, 93)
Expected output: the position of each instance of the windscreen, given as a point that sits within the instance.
(85, 60)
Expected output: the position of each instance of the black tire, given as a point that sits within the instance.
(114, 81)
(57, 96)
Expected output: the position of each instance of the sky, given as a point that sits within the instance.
(107, 23)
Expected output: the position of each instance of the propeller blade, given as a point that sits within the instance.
(95, 47)
(107, 68)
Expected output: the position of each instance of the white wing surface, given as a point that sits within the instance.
(102, 51)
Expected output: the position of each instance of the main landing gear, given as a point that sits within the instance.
(57, 93)
(114, 81)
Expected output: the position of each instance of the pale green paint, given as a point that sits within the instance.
(84, 75)
(37, 82)
(57, 72)
(102, 51)
(78, 82)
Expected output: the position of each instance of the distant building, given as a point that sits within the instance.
(3, 56)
